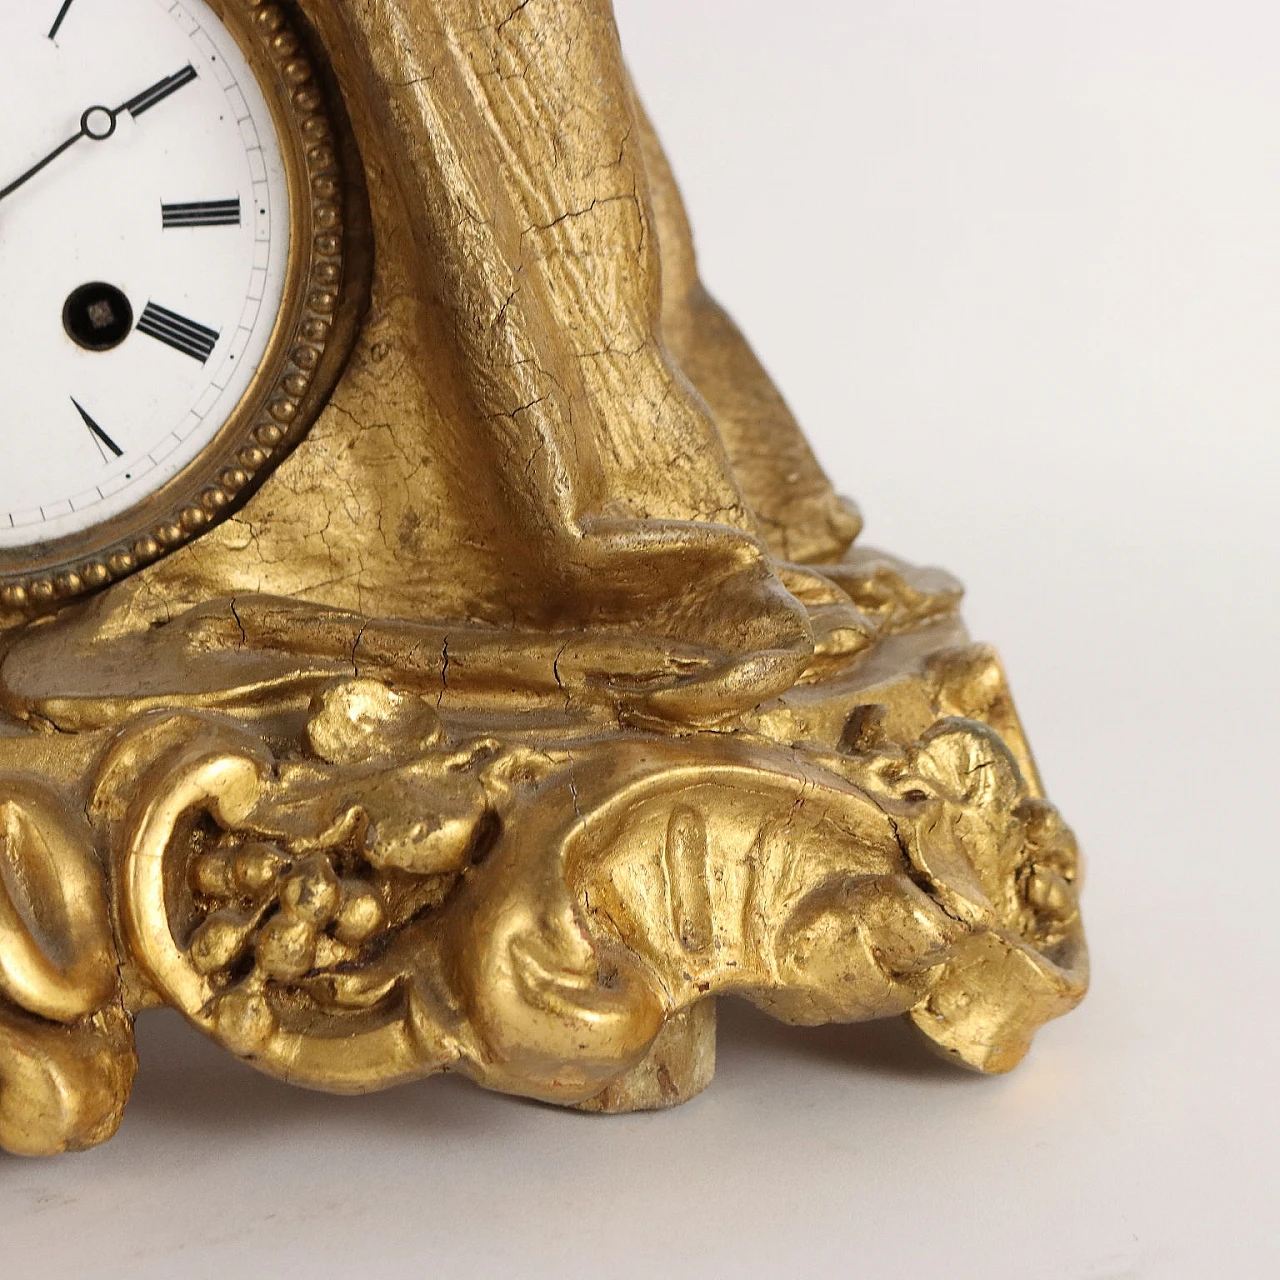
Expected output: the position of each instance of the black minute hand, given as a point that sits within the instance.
(48, 160)
(99, 123)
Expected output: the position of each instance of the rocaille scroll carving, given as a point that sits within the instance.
(540, 698)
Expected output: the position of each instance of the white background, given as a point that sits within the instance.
(1017, 265)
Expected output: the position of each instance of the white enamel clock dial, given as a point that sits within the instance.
(144, 244)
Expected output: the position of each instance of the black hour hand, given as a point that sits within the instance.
(158, 92)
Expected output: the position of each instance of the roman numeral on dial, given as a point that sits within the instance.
(59, 20)
(202, 213)
(104, 442)
(192, 339)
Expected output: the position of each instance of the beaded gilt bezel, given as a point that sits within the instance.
(273, 414)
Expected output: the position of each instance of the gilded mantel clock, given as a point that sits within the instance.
(171, 246)
(427, 640)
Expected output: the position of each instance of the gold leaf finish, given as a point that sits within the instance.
(540, 696)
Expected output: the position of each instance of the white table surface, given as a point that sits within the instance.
(1017, 266)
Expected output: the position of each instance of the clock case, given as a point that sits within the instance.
(543, 697)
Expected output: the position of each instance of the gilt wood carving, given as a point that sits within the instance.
(540, 694)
